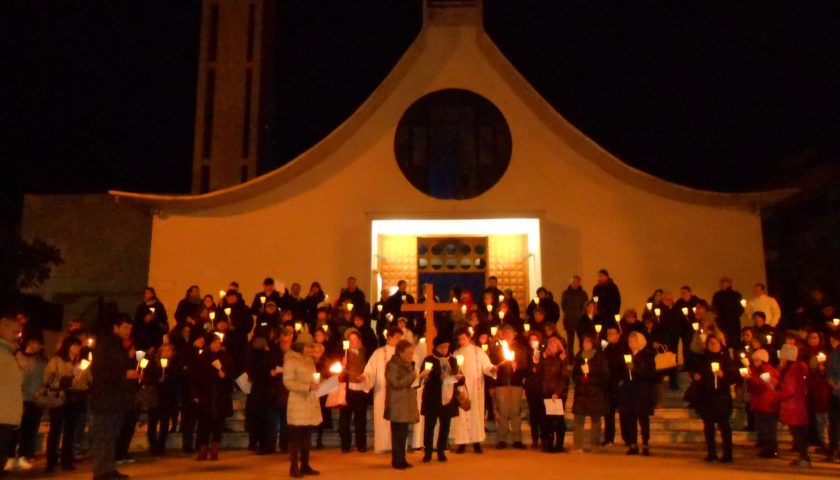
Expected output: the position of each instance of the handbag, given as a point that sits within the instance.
(338, 397)
(46, 398)
(665, 360)
(463, 399)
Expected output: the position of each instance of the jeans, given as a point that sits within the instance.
(429, 431)
(508, 404)
(104, 430)
(399, 435)
(725, 434)
(356, 410)
(594, 433)
(630, 424)
(536, 414)
(765, 428)
(62, 428)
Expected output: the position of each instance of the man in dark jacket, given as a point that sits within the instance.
(507, 391)
(109, 397)
(240, 324)
(572, 302)
(727, 304)
(268, 293)
(150, 322)
(606, 295)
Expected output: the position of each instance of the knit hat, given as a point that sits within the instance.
(761, 354)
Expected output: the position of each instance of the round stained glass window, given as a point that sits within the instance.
(453, 144)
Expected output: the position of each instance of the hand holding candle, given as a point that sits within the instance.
(84, 364)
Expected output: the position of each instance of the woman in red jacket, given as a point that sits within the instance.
(793, 400)
(762, 380)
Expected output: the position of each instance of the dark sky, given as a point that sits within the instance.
(733, 97)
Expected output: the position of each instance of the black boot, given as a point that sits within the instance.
(427, 455)
(304, 464)
(441, 454)
(477, 448)
(294, 470)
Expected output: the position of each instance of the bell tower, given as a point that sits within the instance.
(235, 92)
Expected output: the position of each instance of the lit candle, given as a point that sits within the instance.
(685, 311)
(316, 378)
(585, 368)
(836, 322)
(595, 299)
(501, 298)
(152, 309)
(221, 293)
(598, 328)
(715, 367)
(769, 338)
(493, 331)
(346, 344)
(336, 368)
(464, 309)
(212, 316)
(389, 317)
(527, 327)
(649, 306)
(454, 300)
(459, 359)
(349, 307)
(90, 341)
(404, 297)
(472, 331)
(84, 364)
(617, 318)
(262, 299)
(743, 303)
(164, 362)
(485, 347)
(537, 300)
(501, 314)
(510, 355)
(298, 326)
(325, 327)
(693, 309)
(695, 326)
(227, 312)
(657, 311)
(221, 336)
(379, 308)
(144, 363)
(139, 355)
(489, 308)
(427, 365)
(628, 359)
(422, 339)
(821, 357)
(745, 372)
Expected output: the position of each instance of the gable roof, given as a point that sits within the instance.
(532, 100)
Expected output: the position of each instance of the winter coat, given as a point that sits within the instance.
(715, 402)
(553, 375)
(110, 392)
(591, 389)
(32, 367)
(146, 335)
(549, 306)
(400, 395)
(572, 302)
(303, 408)
(258, 366)
(609, 298)
(11, 391)
(793, 395)
(213, 392)
(506, 376)
(819, 390)
(637, 395)
(763, 394)
(727, 305)
(432, 403)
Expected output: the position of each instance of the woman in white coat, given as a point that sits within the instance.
(304, 410)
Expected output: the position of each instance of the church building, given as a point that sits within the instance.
(452, 171)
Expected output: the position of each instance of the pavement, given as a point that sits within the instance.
(609, 463)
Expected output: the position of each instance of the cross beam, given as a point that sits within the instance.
(429, 307)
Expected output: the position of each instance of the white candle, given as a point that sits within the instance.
(423, 339)
(144, 363)
(212, 316)
(221, 293)
(336, 368)
(152, 309)
(379, 308)
(821, 357)
(316, 378)
(657, 311)
(164, 362)
(527, 327)
(598, 328)
(325, 327)
(459, 359)
(695, 326)
(84, 364)
(685, 311)
(427, 365)
(501, 314)
(537, 300)
(349, 307)
(769, 338)
(472, 331)
(501, 298)
(715, 367)
(595, 299)
(693, 309)
(227, 312)
(617, 318)
(221, 336)
(346, 344)
(262, 299)
(404, 297)
(836, 322)
(649, 306)
(743, 303)
(494, 331)
(628, 358)
(489, 308)
(298, 326)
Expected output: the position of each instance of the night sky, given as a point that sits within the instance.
(101, 94)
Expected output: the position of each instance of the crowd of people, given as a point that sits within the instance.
(283, 349)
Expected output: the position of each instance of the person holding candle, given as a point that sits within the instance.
(713, 377)
(630, 322)
(614, 352)
(355, 410)
(543, 300)
(819, 390)
(761, 382)
(301, 378)
(727, 303)
(30, 359)
(591, 376)
(260, 411)
(190, 307)
(554, 378)
(150, 322)
(468, 427)
(322, 365)
(793, 399)
(510, 359)
(393, 304)
(352, 293)
(163, 377)
(637, 395)
(62, 374)
(572, 304)
(440, 397)
(211, 387)
(587, 322)
(609, 297)
(268, 292)
(268, 319)
(374, 378)
(533, 387)
(762, 330)
(240, 322)
(400, 400)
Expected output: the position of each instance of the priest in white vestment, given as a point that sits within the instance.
(374, 377)
(468, 426)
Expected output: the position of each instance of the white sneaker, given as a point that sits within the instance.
(10, 466)
(24, 464)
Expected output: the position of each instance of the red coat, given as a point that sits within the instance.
(763, 394)
(793, 395)
(819, 390)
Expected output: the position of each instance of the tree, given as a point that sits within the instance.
(26, 264)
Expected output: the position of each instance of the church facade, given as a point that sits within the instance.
(453, 170)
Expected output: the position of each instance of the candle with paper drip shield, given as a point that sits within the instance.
(349, 307)
(649, 306)
(325, 327)
(221, 294)
(715, 369)
(537, 300)
(84, 364)
(459, 360)
(427, 366)
(227, 312)
(139, 355)
(836, 322)
(695, 326)
(501, 314)
(743, 303)
(379, 308)
(685, 311)
(598, 328)
(595, 299)
(490, 308)
(657, 311)
(485, 347)
(527, 327)
(493, 331)
(152, 309)
(345, 345)
(298, 326)
(212, 316)
(262, 299)
(464, 309)
(628, 360)
(821, 358)
(501, 298)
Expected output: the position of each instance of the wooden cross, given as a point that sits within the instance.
(429, 307)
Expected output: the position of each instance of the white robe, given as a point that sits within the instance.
(468, 426)
(375, 378)
(417, 428)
